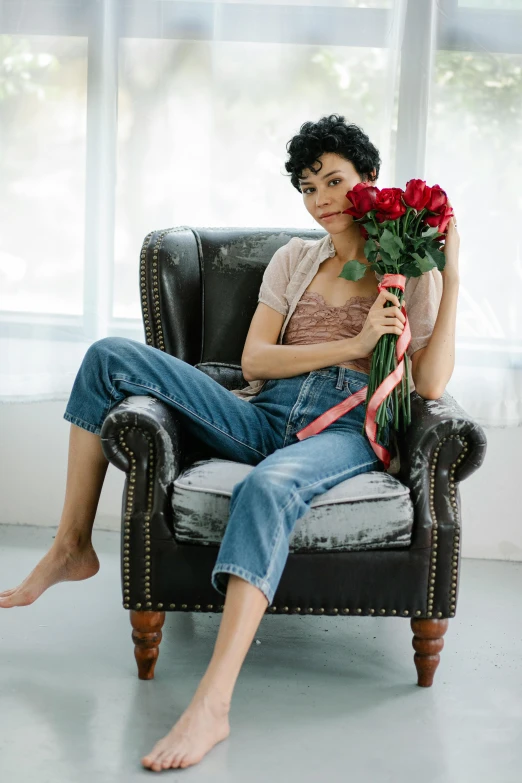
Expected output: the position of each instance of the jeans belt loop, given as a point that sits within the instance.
(340, 378)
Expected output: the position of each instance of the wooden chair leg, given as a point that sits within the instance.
(427, 642)
(146, 636)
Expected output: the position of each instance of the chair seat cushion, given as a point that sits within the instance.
(372, 510)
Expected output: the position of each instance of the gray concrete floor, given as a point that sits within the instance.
(307, 705)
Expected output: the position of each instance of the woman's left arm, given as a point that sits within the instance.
(433, 365)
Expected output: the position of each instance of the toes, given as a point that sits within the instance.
(152, 757)
(159, 758)
(153, 764)
(176, 759)
(7, 592)
(16, 598)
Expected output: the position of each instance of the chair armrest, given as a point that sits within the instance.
(432, 423)
(141, 435)
(442, 446)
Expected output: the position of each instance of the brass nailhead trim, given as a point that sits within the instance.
(128, 513)
(453, 501)
(155, 302)
(310, 610)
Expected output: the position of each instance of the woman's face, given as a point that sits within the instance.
(325, 192)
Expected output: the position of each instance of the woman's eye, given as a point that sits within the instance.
(332, 180)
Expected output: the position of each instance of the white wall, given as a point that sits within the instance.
(34, 440)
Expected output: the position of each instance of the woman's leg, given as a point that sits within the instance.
(112, 369)
(267, 503)
(205, 721)
(71, 556)
(264, 509)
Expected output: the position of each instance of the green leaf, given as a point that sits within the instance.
(438, 258)
(369, 247)
(410, 269)
(353, 270)
(387, 259)
(371, 228)
(389, 244)
(430, 231)
(424, 264)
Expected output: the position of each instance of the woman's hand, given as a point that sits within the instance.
(380, 320)
(451, 250)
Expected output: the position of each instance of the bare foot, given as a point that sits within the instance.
(60, 564)
(203, 724)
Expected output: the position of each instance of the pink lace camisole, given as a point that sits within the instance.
(315, 321)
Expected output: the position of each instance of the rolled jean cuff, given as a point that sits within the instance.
(230, 568)
(81, 423)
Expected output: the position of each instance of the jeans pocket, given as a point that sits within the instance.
(353, 385)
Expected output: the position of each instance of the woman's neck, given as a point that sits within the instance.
(349, 245)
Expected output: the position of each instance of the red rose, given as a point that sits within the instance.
(438, 199)
(438, 204)
(389, 204)
(440, 221)
(363, 198)
(417, 194)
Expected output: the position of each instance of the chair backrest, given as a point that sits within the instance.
(199, 287)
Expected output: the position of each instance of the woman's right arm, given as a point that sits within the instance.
(263, 358)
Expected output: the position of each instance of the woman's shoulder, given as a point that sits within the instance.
(295, 250)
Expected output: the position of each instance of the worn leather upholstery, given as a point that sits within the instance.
(386, 546)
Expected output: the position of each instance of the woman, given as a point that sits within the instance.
(325, 328)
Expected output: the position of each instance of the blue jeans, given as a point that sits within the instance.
(288, 473)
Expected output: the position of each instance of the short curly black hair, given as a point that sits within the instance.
(331, 134)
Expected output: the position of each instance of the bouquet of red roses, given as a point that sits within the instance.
(404, 230)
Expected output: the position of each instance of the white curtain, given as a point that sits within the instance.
(117, 118)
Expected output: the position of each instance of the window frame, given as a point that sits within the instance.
(105, 23)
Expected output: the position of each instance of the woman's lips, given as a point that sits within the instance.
(329, 217)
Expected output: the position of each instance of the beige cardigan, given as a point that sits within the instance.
(293, 267)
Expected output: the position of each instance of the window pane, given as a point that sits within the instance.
(203, 129)
(475, 153)
(42, 172)
(331, 3)
(492, 5)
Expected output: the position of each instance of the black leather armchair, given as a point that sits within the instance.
(401, 552)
